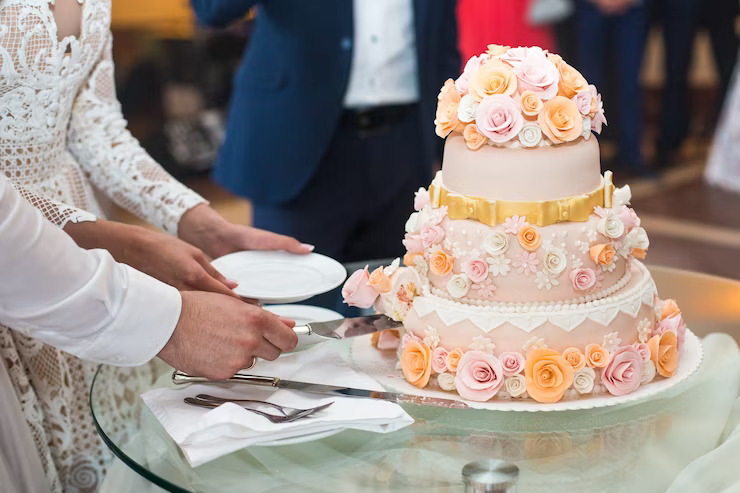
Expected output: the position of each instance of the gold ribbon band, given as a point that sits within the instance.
(542, 213)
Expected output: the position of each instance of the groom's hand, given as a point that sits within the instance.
(217, 336)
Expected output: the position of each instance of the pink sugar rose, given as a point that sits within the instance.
(413, 243)
(582, 279)
(476, 269)
(598, 119)
(479, 376)
(499, 118)
(421, 198)
(357, 291)
(512, 362)
(388, 340)
(439, 360)
(624, 372)
(538, 74)
(675, 324)
(583, 102)
(408, 337)
(432, 235)
(628, 217)
(471, 66)
(515, 56)
(643, 349)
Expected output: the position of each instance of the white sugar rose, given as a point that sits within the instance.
(458, 285)
(496, 243)
(516, 385)
(637, 238)
(467, 108)
(555, 261)
(611, 226)
(530, 135)
(648, 372)
(621, 196)
(586, 127)
(412, 224)
(446, 381)
(583, 380)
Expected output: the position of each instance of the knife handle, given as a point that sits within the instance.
(303, 330)
(181, 378)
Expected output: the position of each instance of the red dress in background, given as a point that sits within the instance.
(483, 22)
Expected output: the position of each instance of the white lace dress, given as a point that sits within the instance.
(63, 142)
(723, 168)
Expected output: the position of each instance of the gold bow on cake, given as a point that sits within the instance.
(542, 213)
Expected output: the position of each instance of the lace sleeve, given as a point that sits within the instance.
(55, 212)
(113, 158)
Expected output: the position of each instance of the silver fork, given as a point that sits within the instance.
(288, 413)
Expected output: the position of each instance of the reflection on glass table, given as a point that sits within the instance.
(642, 446)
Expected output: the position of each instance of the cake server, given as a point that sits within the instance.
(181, 378)
(344, 328)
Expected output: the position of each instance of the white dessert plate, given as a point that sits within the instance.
(305, 314)
(381, 365)
(280, 277)
(308, 437)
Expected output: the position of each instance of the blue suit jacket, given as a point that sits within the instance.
(289, 90)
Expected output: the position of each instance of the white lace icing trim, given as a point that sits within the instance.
(528, 317)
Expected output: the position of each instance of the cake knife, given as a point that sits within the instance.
(344, 328)
(181, 378)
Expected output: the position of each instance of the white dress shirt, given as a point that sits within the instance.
(80, 301)
(384, 67)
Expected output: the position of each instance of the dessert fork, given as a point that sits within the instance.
(288, 413)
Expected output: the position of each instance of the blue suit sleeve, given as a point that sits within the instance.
(450, 63)
(218, 13)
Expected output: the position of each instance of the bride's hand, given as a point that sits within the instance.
(204, 228)
(162, 256)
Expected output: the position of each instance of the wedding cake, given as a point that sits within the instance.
(522, 277)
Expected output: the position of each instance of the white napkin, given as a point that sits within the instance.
(204, 435)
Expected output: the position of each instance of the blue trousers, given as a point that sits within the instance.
(625, 35)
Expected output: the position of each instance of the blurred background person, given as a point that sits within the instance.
(484, 22)
(330, 128)
(611, 40)
(681, 19)
(723, 168)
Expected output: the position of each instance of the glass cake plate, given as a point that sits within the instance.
(382, 366)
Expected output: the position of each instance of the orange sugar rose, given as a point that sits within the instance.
(548, 375)
(473, 138)
(381, 282)
(416, 363)
(452, 360)
(492, 77)
(440, 263)
(531, 103)
(575, 357)
(495, 50)
(596, 356)
(571, 80)
(560, 120)
(670, 308)
(448, 101)
(603, 253)
(408, 259)
(529, 238)
(640, 253)
(664, 353)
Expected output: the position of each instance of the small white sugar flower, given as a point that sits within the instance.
(421, 266)
(534, 342)
(611, 342)
(544, 280)
(592, 234)
(431, 337)
(513, 224)
(483, 344)
(388, 271)
(648, 372)
(644, 330)
(516, 385)
(499, 265)
(576, 262)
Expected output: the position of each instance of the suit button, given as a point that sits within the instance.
(345, 43)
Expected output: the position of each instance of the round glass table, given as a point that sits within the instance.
(641, 446)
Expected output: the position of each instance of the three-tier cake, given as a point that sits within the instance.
(522, 277)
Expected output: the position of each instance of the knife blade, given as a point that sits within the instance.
(181, 378)
(344, 328)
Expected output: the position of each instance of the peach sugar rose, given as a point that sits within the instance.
(603, 253)
(441, 263)
(493, 77)
(596, 356)
(453, 359)
(670, 308)
(575, 357)
(416, 363)
(531, 103)
(664, 353)
(380, 281)
(529, 238)
(560, 120)
(473, 138)
(548, 375)
(571, 80)
(448, 101)
(496, 50)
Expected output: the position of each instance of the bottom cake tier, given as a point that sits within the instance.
(541, 350)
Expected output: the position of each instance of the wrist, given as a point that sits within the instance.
(201, 226)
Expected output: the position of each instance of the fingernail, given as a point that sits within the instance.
(232, 282)
(307, 246)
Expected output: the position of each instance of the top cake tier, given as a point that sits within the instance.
(506, 173)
